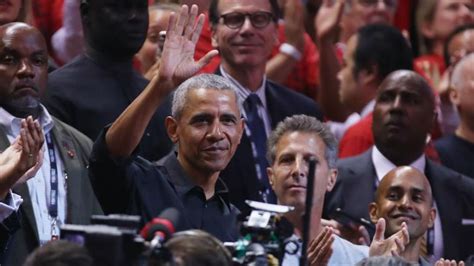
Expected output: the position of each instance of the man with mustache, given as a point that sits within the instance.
(403, 116)
(60, 192)
(404, 195)
(206, 126)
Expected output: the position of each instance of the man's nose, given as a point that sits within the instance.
(25, 69)
(406, 202)
(215, 131)
(247, 26)
(300, 168)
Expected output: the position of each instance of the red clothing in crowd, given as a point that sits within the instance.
(431, 67)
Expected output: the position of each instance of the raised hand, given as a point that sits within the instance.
(22, 158)
(177, 59)
(356, 234)
(320, 248)
(392, 246)
(328, 19)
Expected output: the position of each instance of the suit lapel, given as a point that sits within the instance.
(22, 190)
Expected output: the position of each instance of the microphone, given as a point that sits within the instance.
(161, 228)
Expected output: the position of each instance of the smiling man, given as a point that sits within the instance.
(404, 195)
(206, 126)
(403, 116)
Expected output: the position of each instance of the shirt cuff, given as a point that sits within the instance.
(11, 205)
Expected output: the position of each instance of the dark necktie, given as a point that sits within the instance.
(259, 138)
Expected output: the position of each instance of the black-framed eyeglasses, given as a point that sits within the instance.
(369, 3)
(258, 19)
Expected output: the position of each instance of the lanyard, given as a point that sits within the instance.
(53, 197)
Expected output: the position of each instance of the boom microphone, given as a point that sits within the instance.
(161, 228)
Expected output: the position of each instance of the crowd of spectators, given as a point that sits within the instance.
(135, 106)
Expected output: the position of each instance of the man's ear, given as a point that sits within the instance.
(214, 42)
(270, 177)
(454, 96)
(369, 76)
(373, 212)
(432, 217)
(241, 128)
(172, 129)
(332, 177)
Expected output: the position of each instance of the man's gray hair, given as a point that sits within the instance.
(206, 81)
(458, 79)
(306, 124)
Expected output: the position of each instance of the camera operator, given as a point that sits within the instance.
(206, 126)
(292, 144)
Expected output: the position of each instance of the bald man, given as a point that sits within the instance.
(60, 192)
(404, 196)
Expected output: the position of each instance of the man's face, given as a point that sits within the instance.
(450, 14)
(245, 46)
(23, 69)
(208, 130)
(116, 27)
(288, 174)
(404, 195)
(461, 45)
(365, 12)
(404, 112)
(349, 84)
(463, 96)
(9, 10)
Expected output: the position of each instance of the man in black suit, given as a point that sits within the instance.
(244, 32)
(94, 89)
(403, 116)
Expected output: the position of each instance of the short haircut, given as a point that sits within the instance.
(206, 81)
(58, 253)
(198, 248)
(164, 6)
(306, 124)
(458, 78)
(383, 46)
(458, 30)
(214, 12)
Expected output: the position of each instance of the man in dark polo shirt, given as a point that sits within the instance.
(206, 126)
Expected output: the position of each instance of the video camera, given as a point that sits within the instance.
(265, 232)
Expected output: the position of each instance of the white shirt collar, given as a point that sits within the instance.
(12, 124)
(383, 165)
(244, 92)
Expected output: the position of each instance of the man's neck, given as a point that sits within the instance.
(400, 157)
(24, 112)
(465, 131)
(205, 180)
(101, 57)
(249, 77)
(296, 219)
(412, 251)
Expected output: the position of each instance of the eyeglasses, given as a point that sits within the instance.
(235, 20)
(370, 3)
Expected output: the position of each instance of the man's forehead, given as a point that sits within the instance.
(17, 35)
(304, 142)
(229, 5)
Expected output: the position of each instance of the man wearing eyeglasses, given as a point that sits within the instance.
(244, 32)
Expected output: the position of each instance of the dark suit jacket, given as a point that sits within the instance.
(90, 94)
(240, 175)
(453, 192)
(74, 149)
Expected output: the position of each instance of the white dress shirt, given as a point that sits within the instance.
(39, 186)
(11, 205)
